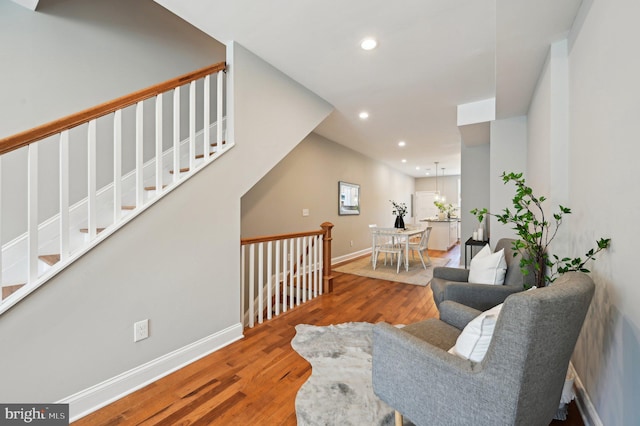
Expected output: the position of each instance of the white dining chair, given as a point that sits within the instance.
(421, 247)
(387, 243)
(374, 230)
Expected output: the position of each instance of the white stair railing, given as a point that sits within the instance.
(296, 268)
(59, 238)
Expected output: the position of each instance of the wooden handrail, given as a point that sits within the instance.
(266, 238)
(37, 133)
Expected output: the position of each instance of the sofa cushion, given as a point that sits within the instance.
(487, 267)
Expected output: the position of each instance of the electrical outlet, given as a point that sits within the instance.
(351, 243)
(305, 212)
(140, 330)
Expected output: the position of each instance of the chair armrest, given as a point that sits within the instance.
(451, 274)
(457, 314)
(479, 296)
(424, 382)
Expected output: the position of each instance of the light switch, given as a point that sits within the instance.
(305, 212)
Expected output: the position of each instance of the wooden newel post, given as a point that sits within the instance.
(326, 261)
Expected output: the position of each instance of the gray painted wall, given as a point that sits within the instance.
(601, 177)
(475, 186)
(308, 179)
(59, 52)
(508, 153)
(176, 264)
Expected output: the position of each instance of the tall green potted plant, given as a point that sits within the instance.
(536, 230)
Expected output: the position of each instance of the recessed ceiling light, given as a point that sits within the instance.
(402, 143)
(427, 173)
(369, 43)
(363, 115)
(417, 167)
(404, 160)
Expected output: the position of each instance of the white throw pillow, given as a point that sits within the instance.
(473, 342)
(487, 267)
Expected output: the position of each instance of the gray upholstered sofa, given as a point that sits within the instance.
(520, 379)
(452, 283)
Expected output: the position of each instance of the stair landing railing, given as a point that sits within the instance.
(296, 268)
(104, 210)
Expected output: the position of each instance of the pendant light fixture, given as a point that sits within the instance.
(443, 198)
(437, 196)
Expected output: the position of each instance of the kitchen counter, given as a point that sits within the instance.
(444, 233)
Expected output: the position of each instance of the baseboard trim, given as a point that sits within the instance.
(350, 256)
(587, 409)
(91, 399)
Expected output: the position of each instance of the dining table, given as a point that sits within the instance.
(402, 236)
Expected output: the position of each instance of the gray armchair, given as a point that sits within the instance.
(520, 379)
(452, 283)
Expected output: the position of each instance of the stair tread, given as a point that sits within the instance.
(153, 188)
(50, 259)
(182, 170)
(7, 290)
(128, 207)
(202, 155)
(86, 230)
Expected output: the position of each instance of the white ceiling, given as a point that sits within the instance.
(432, 56)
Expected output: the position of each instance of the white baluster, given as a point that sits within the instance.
(291, 273)
(219, 108)
(298, 267)
(176, 136)
(192, 125)
(269, 278)
(117, 166)
(206, 122)
(91, 180)
(243, 280)
(158, 145)
(302, 269)
(316, 273)
(32, 213)
(139, 154)
(285, 271)
(320, 264)
(277, 276)
(252, 276)
(63, 159)
(260, 282)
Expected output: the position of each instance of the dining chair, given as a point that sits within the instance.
(421, 247)
(387, 243)
(374, 231)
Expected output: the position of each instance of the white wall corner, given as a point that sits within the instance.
(29, 4)
(477, 112)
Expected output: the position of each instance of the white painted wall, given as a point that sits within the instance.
(603, 181)
(600, 177)
(176, 264)
(508, 153)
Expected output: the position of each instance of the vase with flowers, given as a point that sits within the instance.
(399, 210)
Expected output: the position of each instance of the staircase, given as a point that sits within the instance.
(143, 170)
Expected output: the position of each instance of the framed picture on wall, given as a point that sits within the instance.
(348, 198)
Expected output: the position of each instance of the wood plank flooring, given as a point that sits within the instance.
(254, 381)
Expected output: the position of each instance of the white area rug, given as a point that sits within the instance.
(416, 275)
(340, 390)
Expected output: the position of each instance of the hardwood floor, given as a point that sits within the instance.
(254, 381)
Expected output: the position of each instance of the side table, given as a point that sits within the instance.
(472, 243)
